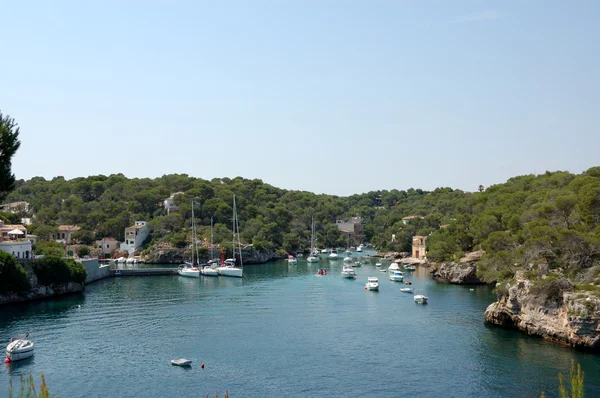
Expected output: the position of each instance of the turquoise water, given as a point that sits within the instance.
(282, 331)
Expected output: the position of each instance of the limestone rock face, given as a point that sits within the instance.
(571, 317)
(161, 255)
(457, 273)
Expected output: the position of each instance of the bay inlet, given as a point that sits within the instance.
(282, 331)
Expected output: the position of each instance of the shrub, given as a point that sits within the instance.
(49, 249)
(51, 270)
(78, 272)
(83, 251)
(13, 277)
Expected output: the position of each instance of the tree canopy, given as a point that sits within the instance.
(9, 144)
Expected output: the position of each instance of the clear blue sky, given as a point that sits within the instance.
(338, 97)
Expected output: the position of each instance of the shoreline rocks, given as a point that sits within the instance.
(563, 316)
(457, 274)
(162, 255)
(42, 292)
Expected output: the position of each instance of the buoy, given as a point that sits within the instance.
(202, 366)
(7, 360)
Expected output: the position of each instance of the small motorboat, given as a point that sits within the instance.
(181, 362)
(20, 348)
(394, 267)
(408, 283)
(322, 271)
(348, 272)
(406, 290)
(378, 264)
(409, 268)
(347, 259)
(420, 297)
(292, 259)
(357, 264)
(397, 276)
(372, 284)
(333, 255)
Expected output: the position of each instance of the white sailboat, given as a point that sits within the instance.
(208, 270)
(230, 268)
(313, 258)
(188, 270)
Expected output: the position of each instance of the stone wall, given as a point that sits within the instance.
(95, 271)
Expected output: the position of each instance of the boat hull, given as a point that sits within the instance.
(189, 273)
(233, 272)
(16, 353)
(209, 272)
(396, 278)
(420, 299)
(313, 259)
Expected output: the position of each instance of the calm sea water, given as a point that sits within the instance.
(282, 331)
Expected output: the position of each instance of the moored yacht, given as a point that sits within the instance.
(19, 349)
(188, 271)
(372, 283)
(348, 272)
(333, 255)
(397, 276)
(420, 297)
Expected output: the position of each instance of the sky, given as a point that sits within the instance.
(336, 97)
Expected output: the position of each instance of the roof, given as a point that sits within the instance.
(419, 236)
(68, 228)
(10, 227)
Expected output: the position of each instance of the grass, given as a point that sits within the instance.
(27, 389)
(575, 383)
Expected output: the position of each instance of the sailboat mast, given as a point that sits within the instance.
(233, 229)
(212, 248)
(193, 233)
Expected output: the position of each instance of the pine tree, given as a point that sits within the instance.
(9, 144)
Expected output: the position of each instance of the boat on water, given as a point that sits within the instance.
(181, 362)
(333, 255)
(406, 290)
(409, 268)
(300, 254)
(188, 270)
(420, 297)
(322, 271)
(397, 276)
(347, 259)
(314, 254)
(348, 272)
(20, 348)
(324, 251)
(356, 264)
(394, 267)
(292, 259)
(372, 284)
(229, 267)
(207, 270)
(359, 248)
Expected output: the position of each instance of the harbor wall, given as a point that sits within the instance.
(95, 271)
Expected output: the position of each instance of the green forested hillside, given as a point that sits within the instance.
(551, 219)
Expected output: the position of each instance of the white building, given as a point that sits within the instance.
(169, 203)
(136, 235)
(20, 248)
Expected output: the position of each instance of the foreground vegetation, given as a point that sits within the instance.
(49, 271)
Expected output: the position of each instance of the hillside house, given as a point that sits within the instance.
(419, 247)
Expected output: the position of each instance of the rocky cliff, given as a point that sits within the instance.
(169, 255)
(550, 309)
(457, 273)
